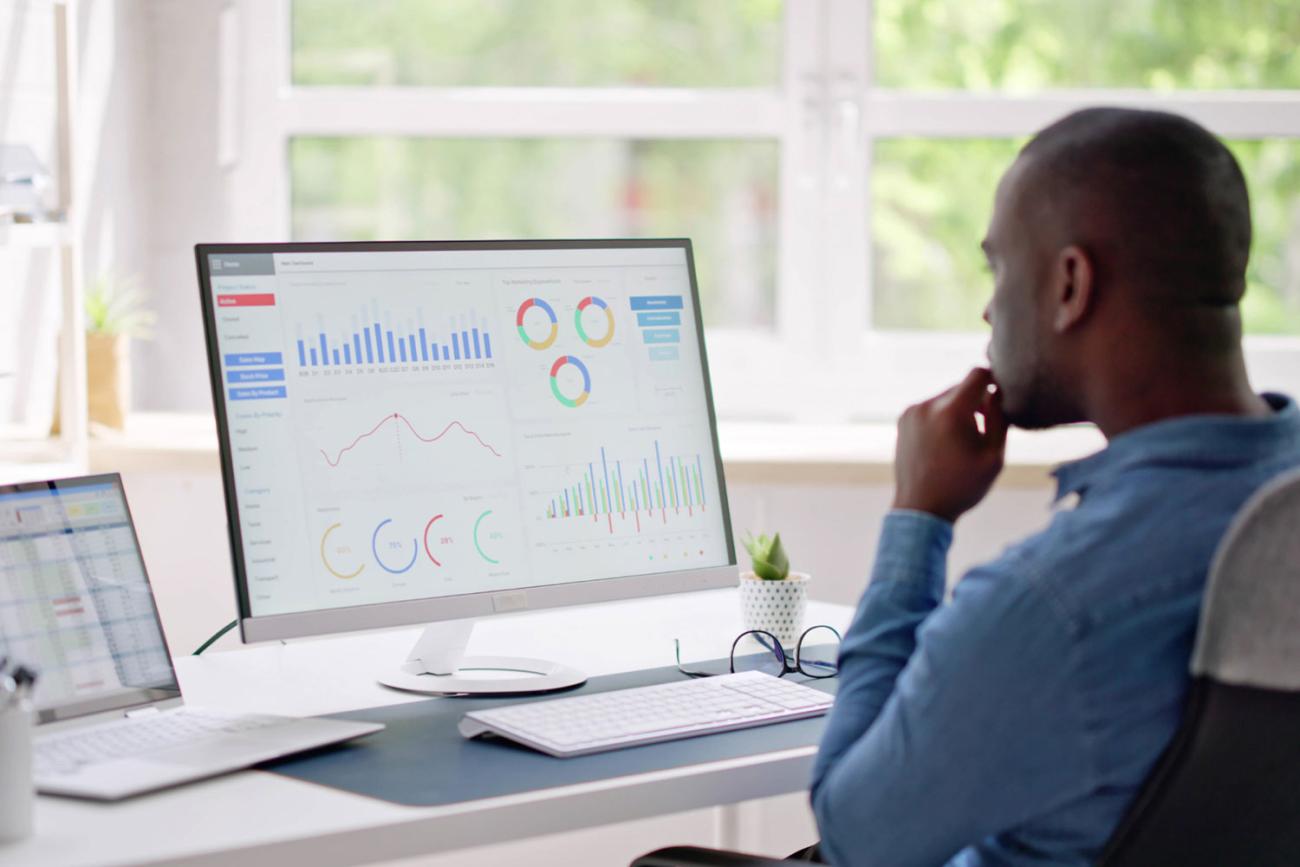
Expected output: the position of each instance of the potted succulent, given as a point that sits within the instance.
(115, 313)
(772, 598)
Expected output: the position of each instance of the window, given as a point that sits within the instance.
(721, 194)
(537, 43)
(834, 161)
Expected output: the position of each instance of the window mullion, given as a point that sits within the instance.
(802, 261)
(848, 164)
(461, 112)
(958, 114)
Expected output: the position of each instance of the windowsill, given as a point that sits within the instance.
(753, 452)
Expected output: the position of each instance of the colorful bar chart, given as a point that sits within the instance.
(628, 489)
(378, 343)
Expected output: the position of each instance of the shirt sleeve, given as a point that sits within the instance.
(952, 722)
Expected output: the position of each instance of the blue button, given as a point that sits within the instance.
(663, 353)
(275, 374)
(661, 335)
(254, 359)
(656, 302)
(646, 319)
(269, 393)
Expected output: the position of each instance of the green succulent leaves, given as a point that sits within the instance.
(769, 559)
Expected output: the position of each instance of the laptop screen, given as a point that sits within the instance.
(75, 602)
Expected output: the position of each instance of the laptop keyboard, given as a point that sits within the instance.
(64, 752)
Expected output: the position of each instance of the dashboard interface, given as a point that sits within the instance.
(406, 424)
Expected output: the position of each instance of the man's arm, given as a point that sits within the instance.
(944, 463)
(952, 722)
(977, 730)
(906, 585)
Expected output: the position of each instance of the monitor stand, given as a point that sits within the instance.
(438, 665)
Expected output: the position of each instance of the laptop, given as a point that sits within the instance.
(76, 605)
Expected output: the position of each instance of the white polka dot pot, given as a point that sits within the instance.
(775, 606)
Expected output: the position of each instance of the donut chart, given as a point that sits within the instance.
(491, 535)
(523, 331)
(593, 301)
(555, 382)
(374, 549)
(324, 540)
(427, 528)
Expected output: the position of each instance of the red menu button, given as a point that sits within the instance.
(254, 300)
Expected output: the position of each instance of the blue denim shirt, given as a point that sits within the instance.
(1014, 724)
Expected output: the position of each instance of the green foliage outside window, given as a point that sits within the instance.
(930, 197)
(522, 43)
(721, 194)
(1027, 45)
(932, 201)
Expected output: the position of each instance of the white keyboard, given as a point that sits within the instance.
(62, 752)
(581, 724)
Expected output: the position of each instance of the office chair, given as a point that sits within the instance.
(1227, 789)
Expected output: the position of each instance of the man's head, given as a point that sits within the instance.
(1118, 238)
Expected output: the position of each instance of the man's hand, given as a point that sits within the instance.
(943, 463)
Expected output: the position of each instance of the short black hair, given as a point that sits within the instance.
(1161, 194)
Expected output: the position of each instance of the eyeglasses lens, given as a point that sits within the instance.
(758, 651)
(819, 651)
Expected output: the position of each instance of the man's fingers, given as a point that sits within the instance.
(968, 395)
(995, 423)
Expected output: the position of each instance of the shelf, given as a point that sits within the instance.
(34, 459)
(35, 235)
(157, 441)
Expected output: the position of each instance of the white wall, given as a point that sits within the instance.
(191, 197)
(149, 183)
(29, 295)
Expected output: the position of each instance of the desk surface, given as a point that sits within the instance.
(266, 819)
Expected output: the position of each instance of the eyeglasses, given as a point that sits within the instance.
(815, 655)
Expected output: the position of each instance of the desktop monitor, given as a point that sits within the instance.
(433, 432)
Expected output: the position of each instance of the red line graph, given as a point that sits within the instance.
(398, 417)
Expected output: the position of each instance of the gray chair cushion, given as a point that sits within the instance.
(1250, 621)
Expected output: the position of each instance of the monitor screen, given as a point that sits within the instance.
(414, 421)
(75, 603)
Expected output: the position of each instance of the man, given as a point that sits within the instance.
(1014, 724)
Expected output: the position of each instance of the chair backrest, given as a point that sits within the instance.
(1227, 790)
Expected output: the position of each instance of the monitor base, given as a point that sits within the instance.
(437, 665)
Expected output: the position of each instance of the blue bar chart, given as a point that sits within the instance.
(373, 340)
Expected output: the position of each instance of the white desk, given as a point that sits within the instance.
(255, 818)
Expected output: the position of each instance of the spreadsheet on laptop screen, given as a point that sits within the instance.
(75, 601)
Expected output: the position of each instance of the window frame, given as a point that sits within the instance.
(822, 359)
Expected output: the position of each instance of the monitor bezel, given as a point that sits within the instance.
(413, 612)
(134, 697)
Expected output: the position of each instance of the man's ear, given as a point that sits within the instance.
(1073, 282)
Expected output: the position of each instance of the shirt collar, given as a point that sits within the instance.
(1195, 440)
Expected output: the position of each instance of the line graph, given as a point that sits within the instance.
(397, 419)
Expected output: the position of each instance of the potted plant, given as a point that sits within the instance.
(772, 598)
(115, 312)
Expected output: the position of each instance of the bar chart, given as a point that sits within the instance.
(373, 341)
(651, 486)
